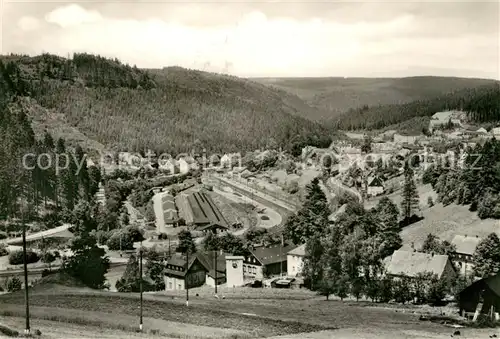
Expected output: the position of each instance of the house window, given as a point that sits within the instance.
(179, 286)
(244, 269)
(293, 268)
(170, 285)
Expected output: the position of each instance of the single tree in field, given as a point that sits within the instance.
(367, 145)
(130, 281)
(326, 287)
(487, 256)
(410, 202)
(186, 242)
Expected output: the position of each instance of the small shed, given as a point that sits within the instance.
(485, 291)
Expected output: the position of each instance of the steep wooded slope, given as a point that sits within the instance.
(169, 110)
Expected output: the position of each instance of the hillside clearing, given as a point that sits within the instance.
(424, 192)
(447, 221)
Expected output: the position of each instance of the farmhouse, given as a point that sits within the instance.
(496, 132)
(215, 263)
(375, 186)
(183, 166)
(261, 262)
(443, 118)
(410, 264)
(465, 248)
(180, 274)
(486, 290)
(295, 261)
(204, 213)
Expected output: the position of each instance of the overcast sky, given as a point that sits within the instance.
(275, 39)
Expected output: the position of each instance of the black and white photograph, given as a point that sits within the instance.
(246, 169)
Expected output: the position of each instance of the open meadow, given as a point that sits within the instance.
(242, 313)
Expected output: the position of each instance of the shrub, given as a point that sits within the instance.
(401, 290)
(264, 217)
(386, 289)
(3, 250)
(135, 233)
(14, 284)
(8, 331)
(3, 235)
(16, 258)
(430, 202)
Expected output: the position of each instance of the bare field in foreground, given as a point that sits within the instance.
(57, 329)
(244, 313)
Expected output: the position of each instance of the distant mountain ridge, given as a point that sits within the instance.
(334, 96)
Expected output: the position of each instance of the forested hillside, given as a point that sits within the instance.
(22, 183)
(482, 103)
(334, 96)
(170, 110)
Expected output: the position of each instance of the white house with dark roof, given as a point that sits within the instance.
(442, 118)
(261, 262)
(410, 264)
(465, 246)
(295, 261)
(375, 186)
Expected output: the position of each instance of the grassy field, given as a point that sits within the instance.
(446, 222)
(258, 313)
(442, 221)
(424, 192)
(243, 313)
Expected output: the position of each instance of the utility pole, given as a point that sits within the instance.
(215, 259)
(281, 260)
(186, 277)
(140, 285)
(26, 294)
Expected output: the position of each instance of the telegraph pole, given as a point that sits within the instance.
(140, 285)
(26, 294)
(215, 259)
(281, 254)
(185, 277)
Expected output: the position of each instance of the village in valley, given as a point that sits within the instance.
(226, 226)
(247, 170)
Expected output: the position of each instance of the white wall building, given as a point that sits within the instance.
(295, 261)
